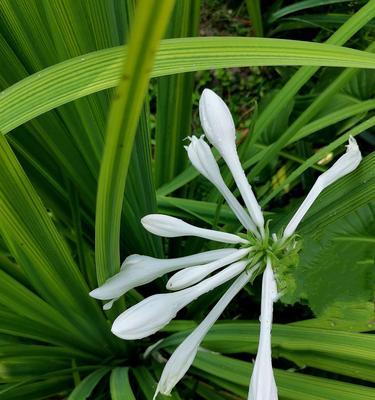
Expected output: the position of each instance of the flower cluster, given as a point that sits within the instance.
(251, 254)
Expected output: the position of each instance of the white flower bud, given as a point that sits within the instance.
(191, 275)
(217, 121)
(218, 126)
(343, 166)
(262, 384)
(154, 312)
(184, 355)
(167, 226)
(138, 270)
(203, 160)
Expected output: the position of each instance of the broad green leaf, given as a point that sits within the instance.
(342, 352)
(342, 253)
(291, 385)
(347, 316)
(102, 70)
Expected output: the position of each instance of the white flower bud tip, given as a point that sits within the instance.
(138, 270)
(346, 164)
(203, 160)
(191, 275)
(219, 128)
(153, 313)
(167, 226)
(216, 120)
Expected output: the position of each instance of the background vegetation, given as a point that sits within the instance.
(81, 163)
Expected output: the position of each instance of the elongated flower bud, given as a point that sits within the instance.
(343, 166)
(153, 313)
(184, 355)
(191, 275)
(203, 160)
(138, 270)
(218, 126)
(167, 226)
(262, 384)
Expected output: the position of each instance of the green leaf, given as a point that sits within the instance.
(174, 101)
(346, 353)
(148, 384)
(319, 155)
(119, 384)
(149, 24)
(291, 88)
(255, 13)
(174, 56)
(39, 248)
(86, 387)
(301, 5)
(291, 385)
(37, 390)
(347, 316)
(348, 263)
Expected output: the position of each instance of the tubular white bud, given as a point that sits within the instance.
(218, 126)
(167, 226)
(138, 270)
(184, 355)
(154, 312)
(203, 160)
(344, 165)
(262, 384)
(191, 275)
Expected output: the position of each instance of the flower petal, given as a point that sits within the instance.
(203, 160)
(138, 270)
(262, 384)
(167, 226)
(191, 275)
(184, 355)
(343, 166)
(218, 126)
(154, 312)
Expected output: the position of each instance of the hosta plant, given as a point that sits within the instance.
(97, 101)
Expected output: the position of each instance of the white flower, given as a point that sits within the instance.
(191, 275)
(138, 270)
(262, 384)
(343, 166)
(218, 126)
(184, 355)
(201, 157)
(167, 226)
(154, 312)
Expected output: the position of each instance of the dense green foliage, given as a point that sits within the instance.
(92, 135)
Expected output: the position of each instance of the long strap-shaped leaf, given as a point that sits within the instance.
(39, 248)
(291, 385)
(101, 70)
(271, 112)
(149, 24)
(119, 384)
(85, 388)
